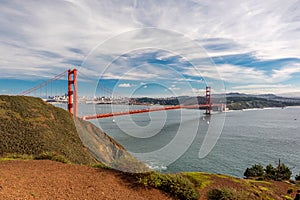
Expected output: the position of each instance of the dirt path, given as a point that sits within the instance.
(52, 180)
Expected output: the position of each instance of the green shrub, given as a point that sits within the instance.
(227, 194)
(100, 166)
(176, 185)
(14, 156)
(270, 172)
(284, 172)
(52, 156)
(297, 177)
(281, 172)
(254, 171)
(220, 194)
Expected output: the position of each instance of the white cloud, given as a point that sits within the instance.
(286, 72)
(259, 86)
(125, 85)
(244, 75)
(39, 39)
(174, 88)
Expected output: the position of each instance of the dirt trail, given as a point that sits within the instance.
(46, 179)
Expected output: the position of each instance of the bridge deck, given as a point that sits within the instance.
(131, 112)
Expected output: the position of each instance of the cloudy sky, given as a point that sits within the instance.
(159, 48)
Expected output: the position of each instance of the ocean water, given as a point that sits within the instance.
(170, 141)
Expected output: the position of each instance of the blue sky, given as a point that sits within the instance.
(152, 48)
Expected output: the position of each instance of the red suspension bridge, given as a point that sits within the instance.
(72, 98)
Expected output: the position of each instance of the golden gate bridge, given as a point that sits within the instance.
(72, 98)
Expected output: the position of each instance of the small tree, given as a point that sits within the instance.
(270, 172)
(297, 177)
(254, 172)
(282, 172)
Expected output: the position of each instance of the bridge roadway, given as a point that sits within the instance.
(131, 112)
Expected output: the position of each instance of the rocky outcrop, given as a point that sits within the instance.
(107, 150)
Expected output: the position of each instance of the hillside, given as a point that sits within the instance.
(241, 189)
(236, 101)
(30, 126)
(253, 102)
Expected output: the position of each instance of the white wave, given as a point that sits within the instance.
(155, 166)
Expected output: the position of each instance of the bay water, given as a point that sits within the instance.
(254, 136)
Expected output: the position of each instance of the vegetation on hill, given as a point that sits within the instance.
(239, 103)
(160, 101)
(297, 177)
(30, 126)
(176, 185)
(279, 173)
(217, 186)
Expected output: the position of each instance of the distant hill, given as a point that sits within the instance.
(30, 126)
(234, 101)
(237, 101)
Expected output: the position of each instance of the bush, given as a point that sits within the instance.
(254, 171)
(270, 172)
(13, 156)
(281, 172)
(173, 184)
(220, 194)
(227, 194)
(52, 156)
(100, 166)
(297, 177)
(284, 172)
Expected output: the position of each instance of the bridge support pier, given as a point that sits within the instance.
(208, 100)
(72, 92)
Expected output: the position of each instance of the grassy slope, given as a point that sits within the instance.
(30, 126)
(242, 188)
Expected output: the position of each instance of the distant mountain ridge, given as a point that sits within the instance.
(264, 96)
(234, 101)
(237, 101)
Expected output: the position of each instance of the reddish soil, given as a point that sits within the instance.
(53, 180)
(46, 179)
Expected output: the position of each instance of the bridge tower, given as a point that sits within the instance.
(208, 100)
(72, 92)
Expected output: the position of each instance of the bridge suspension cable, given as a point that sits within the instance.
(43, 84)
